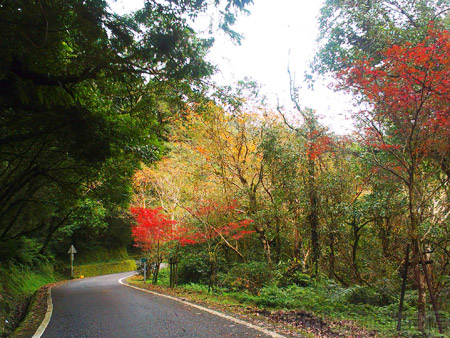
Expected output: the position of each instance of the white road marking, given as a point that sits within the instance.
(238, 321)
(47, 317)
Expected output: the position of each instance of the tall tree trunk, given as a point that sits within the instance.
(212, 271)
(48, 237)
(260, 231)
(267, 250)
(416, 254)
(297, 241)
(331, 269)
(402, 294)
(356, 237)
(313, 218)
(52, 229)
(157, 266)
(156, 273)
(277, 240)
(384, 233)
(432, 296)
(420, 283)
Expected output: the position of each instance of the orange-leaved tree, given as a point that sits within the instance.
(225, 146)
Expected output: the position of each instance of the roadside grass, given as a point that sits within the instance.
(320, 301)
(35, 313)
(104, 268)
(18, 283)
(339, 305)
(329, 305)
(23, 299)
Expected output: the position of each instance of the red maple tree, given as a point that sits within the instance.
(406, 126)
(216, 225)
(152, 228)
(215, 221)
(408, 97)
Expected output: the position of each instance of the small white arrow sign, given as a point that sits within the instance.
(72, 250)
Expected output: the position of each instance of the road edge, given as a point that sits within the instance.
(48, 315)
(216, 313)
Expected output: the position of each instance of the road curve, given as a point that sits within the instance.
(101, 307)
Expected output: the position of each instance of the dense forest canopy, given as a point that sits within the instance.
(85, 98)
(110, 130)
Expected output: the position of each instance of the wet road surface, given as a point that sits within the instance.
(101, 307)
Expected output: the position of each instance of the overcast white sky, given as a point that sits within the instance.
(271, 31)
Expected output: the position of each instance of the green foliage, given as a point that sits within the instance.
(94, 244)
(99, 269)
(367, 295)
(85, 96)
(196, 287)
(101, 255)
(22, 250)
(20, 280)
(193, 268)
(17, 285)
(247, 276)
(164, 276)
(327, 301)
(350, 30)
(291, 273)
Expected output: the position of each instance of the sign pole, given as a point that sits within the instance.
(144, 261)
(145, 270)
(72, 251)
(71, 264)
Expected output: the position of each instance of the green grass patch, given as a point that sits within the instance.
(105, 268)
(17, 284)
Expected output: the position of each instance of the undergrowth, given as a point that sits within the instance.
(367, 308)
(17, 284)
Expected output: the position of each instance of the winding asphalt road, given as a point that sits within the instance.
(101, 307)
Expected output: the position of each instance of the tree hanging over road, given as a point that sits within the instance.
(85, 95)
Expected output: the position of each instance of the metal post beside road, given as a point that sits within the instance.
(144, 260)
(72, 251)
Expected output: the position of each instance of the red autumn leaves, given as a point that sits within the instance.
(209, 221)
(152, 228)
(317, 144)
(408, 94)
